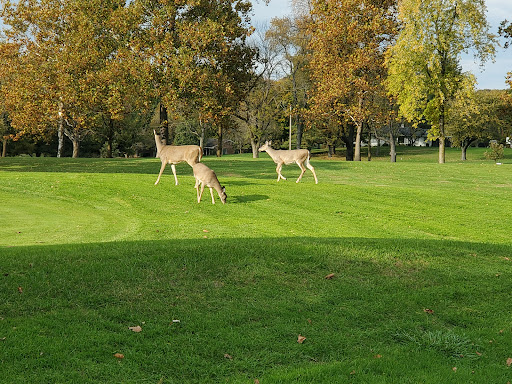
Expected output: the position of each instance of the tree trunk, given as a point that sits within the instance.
(76, 147)
(300, 128)
(60, 129)
(254, 147)
(370, 148)
(348, 139)
(110, 138)
(442, 138)
(392, 147)
(203, 133)
(164, 125)
(357, 155)
(330, 152)
(219, 143)
(4, 147)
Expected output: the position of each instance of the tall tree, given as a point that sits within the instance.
(62, 49)
(348, 39)
(424, 64)
(199, 54)
(289, 38)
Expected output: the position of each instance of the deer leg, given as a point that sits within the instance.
(201, 194)
(160, 174)
(197, 189)
(211, 193)
(173, 167)
(278, 170)
(310, 167)
(302, 169)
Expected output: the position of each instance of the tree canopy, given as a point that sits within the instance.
(424, 64)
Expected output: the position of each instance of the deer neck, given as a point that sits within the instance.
(159, 144)
(272, 152)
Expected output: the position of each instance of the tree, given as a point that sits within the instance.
(199, 55)
(347, 42)
(474, 115)
(424, 71)
(288, 37)
(58, 66)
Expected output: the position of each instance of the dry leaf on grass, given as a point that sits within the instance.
(330, 276)
(228, 356)
(20, 290)
(301, 339)
(137, 329)
(429, 311)
(118, 355)
(509, 362)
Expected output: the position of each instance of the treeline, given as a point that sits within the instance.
(102, 74)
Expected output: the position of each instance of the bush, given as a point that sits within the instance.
(495, 151)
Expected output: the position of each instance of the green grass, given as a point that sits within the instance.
(421, 252)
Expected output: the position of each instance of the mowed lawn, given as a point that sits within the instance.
(107, 278)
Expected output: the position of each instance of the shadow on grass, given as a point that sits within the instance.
(217, 310)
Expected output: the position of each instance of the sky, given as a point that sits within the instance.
(491, 76)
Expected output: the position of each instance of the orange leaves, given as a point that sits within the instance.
(301, 339)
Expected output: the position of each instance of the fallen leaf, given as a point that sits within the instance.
(454, 369)
(301, 339)
(377, 356)
(228, 356)
(330, 276)
(310, 321)
(509, 361)
(429, 311)
(137, 329)
(256, 381)
(205, 231)
(353, 372)
(478, 353)
(118, 355)
(20, 290)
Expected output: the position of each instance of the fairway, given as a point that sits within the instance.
(419, 256)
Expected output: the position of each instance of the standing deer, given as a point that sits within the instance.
(280, 157)
(206, 177)
(174, 154)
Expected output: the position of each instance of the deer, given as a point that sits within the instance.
(280, 157)
(174, 154)
(207, 177)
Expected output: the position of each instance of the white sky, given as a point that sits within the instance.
(491, 76)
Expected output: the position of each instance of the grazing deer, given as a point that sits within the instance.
(174, 154)
(280, 157)
(206, 177)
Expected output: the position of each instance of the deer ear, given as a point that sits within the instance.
(223, 188)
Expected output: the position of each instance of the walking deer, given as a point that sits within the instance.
(207, 177)
(174, 154)
(280, 157)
